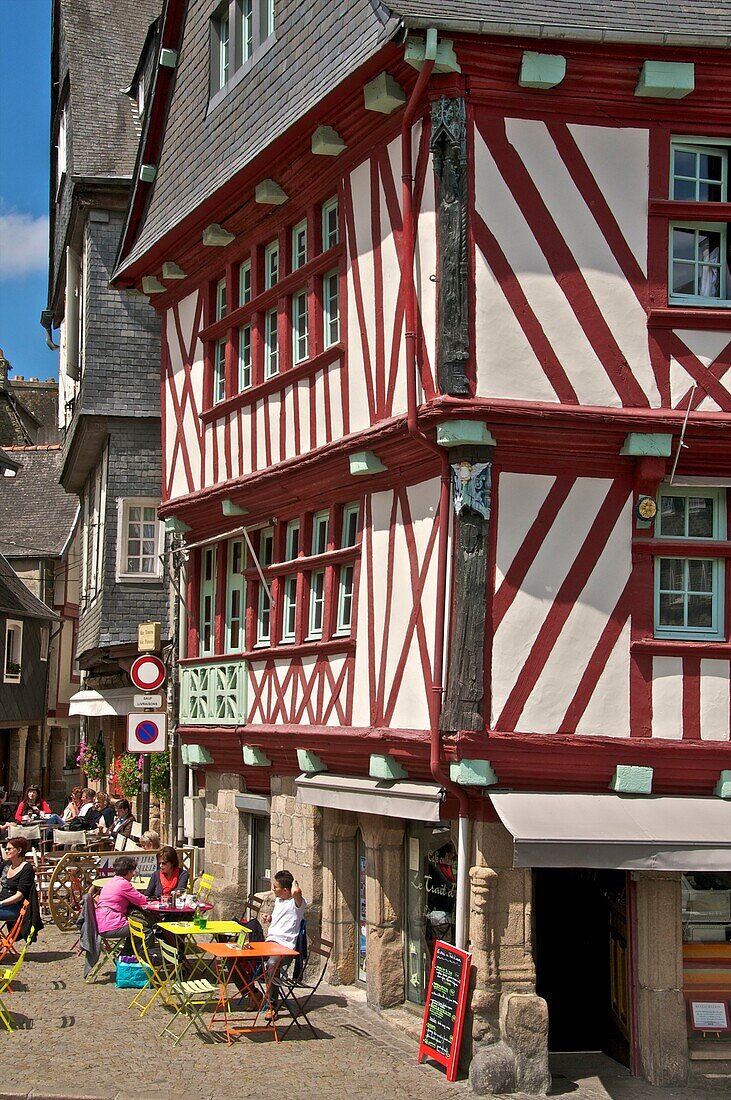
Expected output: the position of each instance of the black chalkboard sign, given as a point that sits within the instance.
(446, 999)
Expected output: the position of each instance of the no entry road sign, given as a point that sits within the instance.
(147, 672)
(146, 732)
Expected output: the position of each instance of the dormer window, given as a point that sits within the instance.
(240, 30)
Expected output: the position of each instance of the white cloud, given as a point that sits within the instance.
(23, 245)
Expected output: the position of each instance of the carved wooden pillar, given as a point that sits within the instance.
(485, 1001)
(464, 699)
(449, 154)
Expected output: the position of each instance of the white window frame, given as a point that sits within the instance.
(331, 308)
(330, 233)
(220, 303)
(299, 245)
(289, 607)
(350, 512)
(13, 652)
(245, 283)
(247, 30)
(320, 524)
(219, 371)
(716, 631)
(61, 148)
(271, 265)
(223, 47)
(44, 642)
(300, 327)
(271, 343)
(244, 357)
(292, 540)
(124, 504)
(346, 576)
(317, 604)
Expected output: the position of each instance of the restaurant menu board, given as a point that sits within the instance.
(446, 999)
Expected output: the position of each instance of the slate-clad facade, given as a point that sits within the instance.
(109, 406)
(434, 329)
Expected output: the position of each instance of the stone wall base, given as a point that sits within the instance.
(518, 1061)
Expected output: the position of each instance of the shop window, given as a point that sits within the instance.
(706, 917)
(431, 899)
(689, 589)
(12, 665)
(260, 857)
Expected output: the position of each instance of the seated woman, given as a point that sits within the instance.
(102, 813)
(18, 883)
(73, 805)
(117, 896)
(35, 808)
(150, 841)
(123, 820)
(168, 877)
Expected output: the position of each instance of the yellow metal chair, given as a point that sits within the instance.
(203, 887)
(155, 975)
(7, 976)
(190, 996)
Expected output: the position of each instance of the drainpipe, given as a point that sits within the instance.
(438, 770)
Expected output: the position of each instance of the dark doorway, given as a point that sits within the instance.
(582, 959)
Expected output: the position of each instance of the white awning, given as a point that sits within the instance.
(252, 803)
(626, 832)
(397, 798)
(98, 704)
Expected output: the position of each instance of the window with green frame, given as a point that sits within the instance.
(689, 591)
(235, 596)
(699, 272)
(206, 630)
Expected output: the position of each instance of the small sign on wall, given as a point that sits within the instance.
(148, 637)
(710, 1015)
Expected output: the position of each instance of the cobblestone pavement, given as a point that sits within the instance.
(79, 1040)
(82, 1041)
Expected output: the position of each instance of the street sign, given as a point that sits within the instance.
(147, 702)
(147, 672)
(146, 732)
(148, 637)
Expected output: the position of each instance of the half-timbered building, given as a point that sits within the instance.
(445, 301)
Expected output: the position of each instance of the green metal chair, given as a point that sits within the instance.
(7, 976)
(155, 975)
(188, 996)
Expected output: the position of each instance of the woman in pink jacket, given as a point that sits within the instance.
(118, 896)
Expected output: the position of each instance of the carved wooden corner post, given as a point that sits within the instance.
(471, 483)
(449, 154)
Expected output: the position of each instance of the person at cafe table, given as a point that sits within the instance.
(169, 877)
(283, 925)
(123, 821)
(34, 808)
(117, 896)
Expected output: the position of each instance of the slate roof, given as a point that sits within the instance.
(6, 462)
(104, 39)
(203, 149)
(626, 20)
(37, 516)
(16, 599)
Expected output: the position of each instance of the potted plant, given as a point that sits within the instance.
(128, 774)
(91, 761)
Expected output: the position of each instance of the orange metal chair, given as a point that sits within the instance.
(7, 939)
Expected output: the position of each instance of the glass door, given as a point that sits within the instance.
(259, 854)
(361, 922)
(431, 897)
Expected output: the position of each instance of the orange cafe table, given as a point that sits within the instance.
(230, 960)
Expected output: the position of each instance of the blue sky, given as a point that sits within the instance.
(25, 49)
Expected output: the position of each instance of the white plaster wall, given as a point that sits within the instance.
(498, 209)
(362, 247)
(714, 700)
(425, 264)
(554, 557)
(570, 655)
(706, 346)
(607, 714)
(619, 306)
(667, 697)
(619, 160)
(191, 424)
